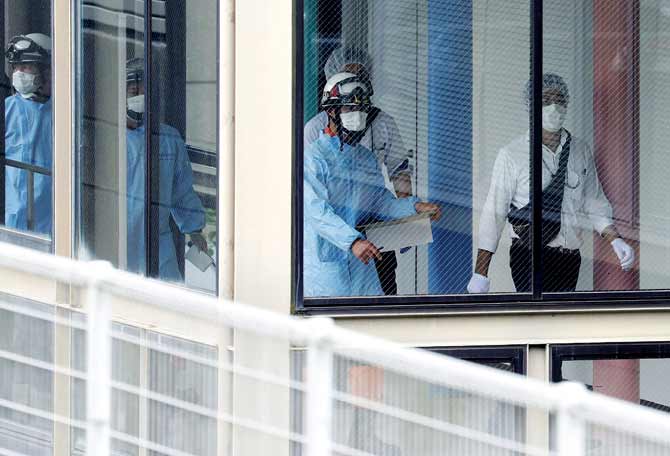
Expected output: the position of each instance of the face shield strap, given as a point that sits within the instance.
(137, 117)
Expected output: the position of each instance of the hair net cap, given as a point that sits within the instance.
(343, 56)
(550, 81)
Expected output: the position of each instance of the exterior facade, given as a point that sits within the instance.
(236, 81)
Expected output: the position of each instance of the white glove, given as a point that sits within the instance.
(624, 252)
(479, 284)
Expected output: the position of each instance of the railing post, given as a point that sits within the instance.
(570, 427)
(319, 403)
(98, 365)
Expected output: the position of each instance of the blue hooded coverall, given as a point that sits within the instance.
(343, 187)
(28, 139)
(177, 199)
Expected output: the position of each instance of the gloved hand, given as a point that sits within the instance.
(479, 284)
(624, 252)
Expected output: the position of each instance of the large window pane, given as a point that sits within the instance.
(589, 112)
(613, 62)
(632, 372)
(26, 331)
(180, 371)
(27, 149)
(654, 87)
(447, 115)
(147, 138)
(126, 370)
(363, 427)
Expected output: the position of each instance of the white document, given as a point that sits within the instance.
(199, 258)
(396, 234)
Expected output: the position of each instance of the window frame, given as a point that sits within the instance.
(599, 351)
(516, 355)
(151, 119)
(534, 302)
(602, 351)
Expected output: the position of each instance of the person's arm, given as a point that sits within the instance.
(318, 211)
(483, 262)
(596, 205)
(599, 211)
(496, 208)
(493, 220)
(396, 158)
(187, 209)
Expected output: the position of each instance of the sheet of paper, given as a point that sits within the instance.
(199, 258)
(396, 234)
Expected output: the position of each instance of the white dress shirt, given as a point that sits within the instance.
(585, 206)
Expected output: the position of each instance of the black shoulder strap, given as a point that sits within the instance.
(552, 202)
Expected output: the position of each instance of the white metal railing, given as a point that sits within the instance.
(272, 384)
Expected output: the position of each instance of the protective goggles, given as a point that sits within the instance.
(350, 92)
(22, 49)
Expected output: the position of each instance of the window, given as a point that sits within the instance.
(510, 359)
(632, 372)
(404, 102)
(26, 331)
(174, 369)
(147, 138)
(441, 84)
(26, 152)
(362, 428)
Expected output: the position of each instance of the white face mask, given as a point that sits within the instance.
(354, 120)
(136, 104)
(25, 83)
(553, 117)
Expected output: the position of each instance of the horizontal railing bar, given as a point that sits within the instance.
(26, 166)
(6, 452)
(430, 367)
(437, 425)
(39, 315)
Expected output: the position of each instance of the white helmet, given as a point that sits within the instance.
(31, 48)
(346, 89)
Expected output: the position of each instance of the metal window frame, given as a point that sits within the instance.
(533, 302)
(151, 141)
(516, 355)
(598, 351)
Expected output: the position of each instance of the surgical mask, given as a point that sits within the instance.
(553, 117)
(354, 120)
(136, 104)
(25, 83)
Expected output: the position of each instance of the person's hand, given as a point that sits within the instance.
(365, 250)
(479, 284)
(199, 240)
(624, 252)
(402, 183)
(429, 207)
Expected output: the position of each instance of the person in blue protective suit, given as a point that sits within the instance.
(28, 135)
(176, 198)
(343, 188)
(382, 137)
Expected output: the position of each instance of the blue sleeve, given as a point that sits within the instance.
(319, 213)
(187, 209)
